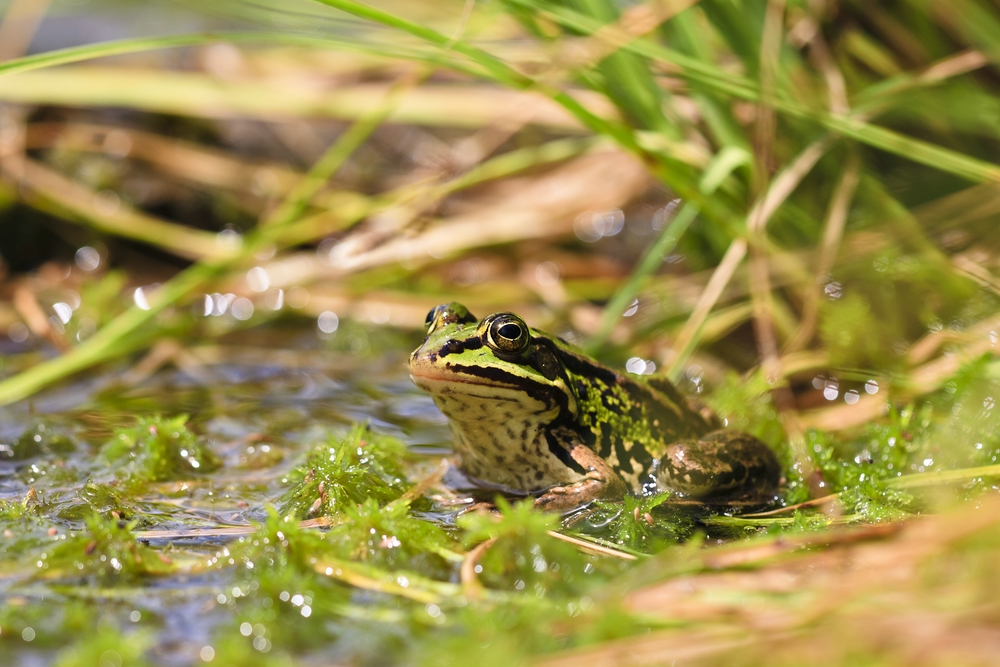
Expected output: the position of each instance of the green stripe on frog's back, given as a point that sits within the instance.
(629, 422)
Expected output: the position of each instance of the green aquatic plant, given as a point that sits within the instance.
(39, 440)
(390, 537)
(638, 523)
(346, 469)
(107, 553)
(519, 554)
(109, 646)
(160, 449)
(277, 590)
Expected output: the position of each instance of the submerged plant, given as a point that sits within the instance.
(519, 554)
(359, 466)
(390, 537)
(159, 449)
(638, 523)
(107, 552)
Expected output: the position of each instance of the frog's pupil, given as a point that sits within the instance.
(511, 331)
(430, 316)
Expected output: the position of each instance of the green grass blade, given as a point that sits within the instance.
(647, 265)
(852, 128)
(86, 52)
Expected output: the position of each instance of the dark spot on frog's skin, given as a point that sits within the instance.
(641, 456)
(510, 431)
(450, 347)
(453, 346)
(539, 475)
(606, 440)
(550, 396)
(562, 453)
(623, 457)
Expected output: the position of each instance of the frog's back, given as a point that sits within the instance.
(629, 423)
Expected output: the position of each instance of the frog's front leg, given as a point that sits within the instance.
(721, 465)
(600, 481)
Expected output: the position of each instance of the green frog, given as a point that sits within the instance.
(535, 415)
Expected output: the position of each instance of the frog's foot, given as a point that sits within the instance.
(600, 481)
(722, 465)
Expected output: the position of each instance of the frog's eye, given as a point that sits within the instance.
(448, 313)
(431, 317)
(506, 334)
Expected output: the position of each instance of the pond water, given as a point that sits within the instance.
(259, 410)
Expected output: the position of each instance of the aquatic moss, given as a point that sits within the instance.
(160, 449)
(523, 556)
(389, 537)
(109, 647)
(277, 589)
(107, 552)
(639, 523)
(38, 440)
(350, 469)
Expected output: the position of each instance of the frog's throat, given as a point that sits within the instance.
(500, 432)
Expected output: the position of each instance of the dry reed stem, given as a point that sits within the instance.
(194, 163)
(713, 290)
(117, 216)
(26, 304)
(872, 579)
(543, 206)
(975, 341)
(591, 547)
(20, 23)
(833, 231)
(471, 586)
(658, 648)
(768, 62)
(200, 95)
(634, 23)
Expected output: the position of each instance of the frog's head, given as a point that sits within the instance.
(488, 369)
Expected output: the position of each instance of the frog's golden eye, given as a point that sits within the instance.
(506, 334)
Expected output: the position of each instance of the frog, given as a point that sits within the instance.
(534, 416)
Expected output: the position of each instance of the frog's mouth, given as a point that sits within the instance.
(483, 383)
(458, 383)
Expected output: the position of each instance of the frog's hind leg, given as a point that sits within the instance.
(724, 465)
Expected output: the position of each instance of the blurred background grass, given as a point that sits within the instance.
(804, 187)
(794, 200)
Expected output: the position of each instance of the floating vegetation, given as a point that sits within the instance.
(158, 450)
(362, 467)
